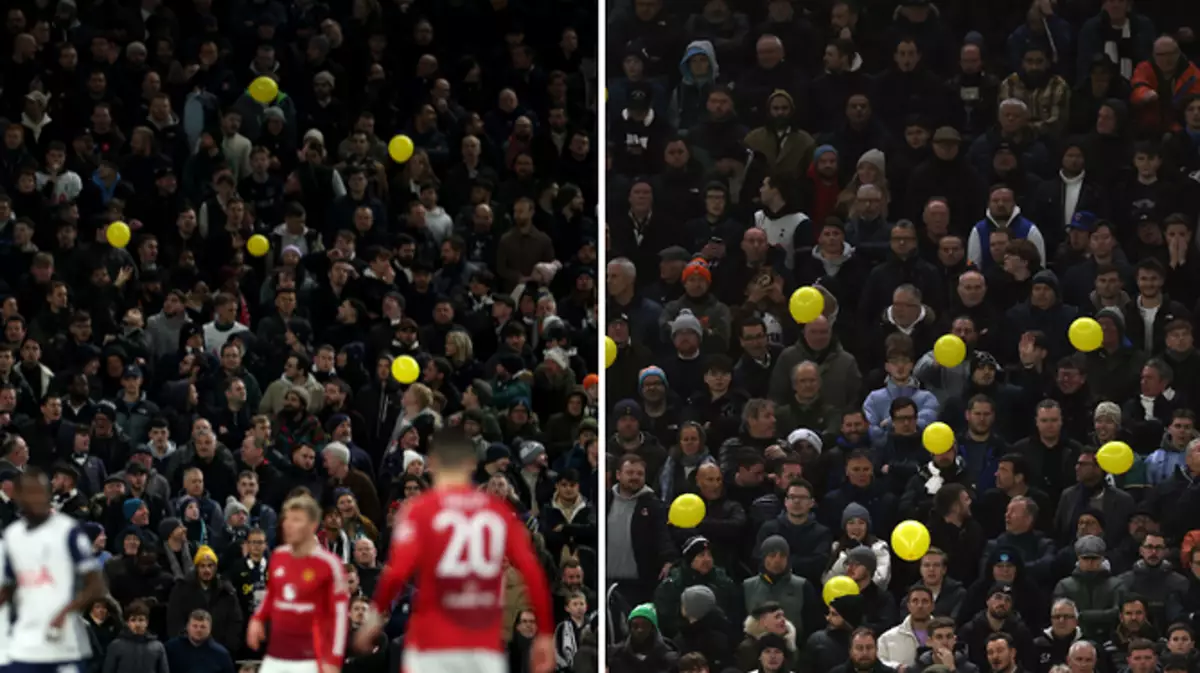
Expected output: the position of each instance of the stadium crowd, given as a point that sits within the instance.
(179, 388)
(991, 170)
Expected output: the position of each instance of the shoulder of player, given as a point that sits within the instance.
(328, 558)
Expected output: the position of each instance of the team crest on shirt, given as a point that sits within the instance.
(279, 572)
(289, 592)
(309, 575)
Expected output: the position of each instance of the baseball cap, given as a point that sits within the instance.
(947, 134)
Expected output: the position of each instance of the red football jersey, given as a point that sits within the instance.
(455, 540)
(306, 607)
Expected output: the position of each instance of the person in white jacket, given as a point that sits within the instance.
(856, 535)
(898, 645)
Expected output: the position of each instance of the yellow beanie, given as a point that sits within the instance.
(205, 553)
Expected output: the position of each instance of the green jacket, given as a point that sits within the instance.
(669, 594)
(1095, 595)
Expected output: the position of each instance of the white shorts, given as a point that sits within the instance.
(273, 665)
(452, 661)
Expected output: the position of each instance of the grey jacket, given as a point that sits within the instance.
(135, 654)
(841, 381)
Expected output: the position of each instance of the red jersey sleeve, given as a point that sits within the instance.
(403, 557)
(519, 550)
(333, 623)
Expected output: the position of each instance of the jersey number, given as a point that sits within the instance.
(476, 546)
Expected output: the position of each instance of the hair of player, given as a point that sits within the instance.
(33, 475)
(306, 504)
(452, 449)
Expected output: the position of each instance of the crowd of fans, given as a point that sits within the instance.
(991, 170)
(179, 389)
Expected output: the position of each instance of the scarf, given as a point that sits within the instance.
(1072, 188)
(179, 564)
(1118, 44)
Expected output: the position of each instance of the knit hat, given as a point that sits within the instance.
(334, 421)
(496, 451)
(1090, 546)
(780, 93)
(627, 408)
(169, 525)
(303, 394)
(805, 435)
(876, 159)
(863, 556)
(850, 608)
(276, 113)
(93, 530)
(530, 452)
(823, 150)
(686, 320)
(647, 612)
(651, 371)
(774, 544)
(693, 547)
(483, 391)
(855, 511)
(1046, 277)
(588, 425)
(411, 457)
(203, 554)
(697, 601)
(590, 380)
(339, 451)
(1113, 314)
(772, 641)
(131, 507)
(233, 508)
(696, 267)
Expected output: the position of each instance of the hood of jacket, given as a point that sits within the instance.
(699, 48)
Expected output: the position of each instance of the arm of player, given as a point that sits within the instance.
(87, 566)
(333, 645)
(402, 562)
(9, 582)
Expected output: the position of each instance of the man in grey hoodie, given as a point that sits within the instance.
(162, 329)
(639, 549)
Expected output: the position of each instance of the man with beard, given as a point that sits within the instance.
(864, 654)
(999, 623)
(1071, 191)
(294, 425)
(787, 148)
(771, 72)
(843, 75)
(1045, 93)
(639, 548)
(919, 497)
(1134, 626)
(1002, 213)
(952, 528)
(1154, 578)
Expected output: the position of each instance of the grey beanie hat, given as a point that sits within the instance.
(855, 511)
(864, 557)
(697, 601)
(775, 544)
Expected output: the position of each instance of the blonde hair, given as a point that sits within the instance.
(303, 503)
(423, 394)
(463, 346)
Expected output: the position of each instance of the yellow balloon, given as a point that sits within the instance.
(949, 350)
(1115, 457)
(806, 305)
(910, 540)
(610, 352)
(264, 90)
(118, 234)
(938, 438)
(400, 148)
(687, 511)
(837, 587)
(405, 369)
(1085, 334)
(258, 245)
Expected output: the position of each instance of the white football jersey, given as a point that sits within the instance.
(47, 563)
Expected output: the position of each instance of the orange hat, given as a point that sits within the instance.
(694, 267)
(591, 380)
